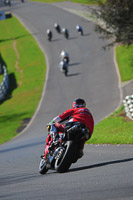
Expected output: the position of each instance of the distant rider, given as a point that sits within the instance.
(57, 27)
(79, 29)
(49, 34)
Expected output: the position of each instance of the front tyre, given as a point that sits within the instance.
(42, 167)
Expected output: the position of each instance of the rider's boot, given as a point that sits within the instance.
(55, 141)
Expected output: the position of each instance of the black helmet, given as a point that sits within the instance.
(78, 103)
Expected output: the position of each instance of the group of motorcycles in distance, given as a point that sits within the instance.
(63, 65)
(57, 27)
(8, 2)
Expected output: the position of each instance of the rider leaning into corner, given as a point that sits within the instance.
(78, 113)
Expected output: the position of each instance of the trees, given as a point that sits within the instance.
(117, 18)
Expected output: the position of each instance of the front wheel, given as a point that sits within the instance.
(42, 167)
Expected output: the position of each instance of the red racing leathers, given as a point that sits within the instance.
(76, 115)
(82, 115)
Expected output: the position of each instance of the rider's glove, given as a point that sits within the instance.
(52, 122)
(48, 127)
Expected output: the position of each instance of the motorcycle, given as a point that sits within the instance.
(7, 2)
(65, 150)
(65, 33)
(49, 34)
(57, 28)
(63, 67)
(79, 29)
(65, 57)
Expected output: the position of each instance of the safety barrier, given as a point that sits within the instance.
(128, 106)
(4, 85)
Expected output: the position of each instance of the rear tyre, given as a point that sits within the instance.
(64, 161)
(66, 71)
(81, 32)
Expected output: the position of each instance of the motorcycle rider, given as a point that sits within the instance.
(79, 113)
(79, 29)
(65, 32)
(63, 65)
(49, 34)
(64, 56)
(57, 27)
(7, 2)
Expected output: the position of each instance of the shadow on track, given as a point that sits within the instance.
(101, 164)
(72, 38)
(74, 74)
(76, 63)
(86, 34)
(95, 165)
(55, 40)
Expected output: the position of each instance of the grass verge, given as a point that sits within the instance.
(26, 68)
(92, 2)
(116, 129)
(124, 58)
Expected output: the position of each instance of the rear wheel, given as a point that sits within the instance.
(42, 167)
(66, 71)
(64, 160)
(81, 32)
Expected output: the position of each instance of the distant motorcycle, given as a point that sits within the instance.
(65, 57)
(61, 153)
(49, 34)
(57, 27)
(65, 33)
(7, 2)
(79, 29)
(63, 67)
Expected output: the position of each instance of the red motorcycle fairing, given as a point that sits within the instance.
(49, 140)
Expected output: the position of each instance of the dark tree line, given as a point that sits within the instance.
(117, 16)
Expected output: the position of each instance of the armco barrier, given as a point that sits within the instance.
(128, 106)
(4, 85)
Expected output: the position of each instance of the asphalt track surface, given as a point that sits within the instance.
(105, 171)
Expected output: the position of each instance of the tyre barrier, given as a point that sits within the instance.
(4, 85)
(128, 106)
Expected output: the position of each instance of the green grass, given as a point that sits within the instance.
(1, 78)
(116, 129)
(74, 1)
(124, 57)
(30, 76)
